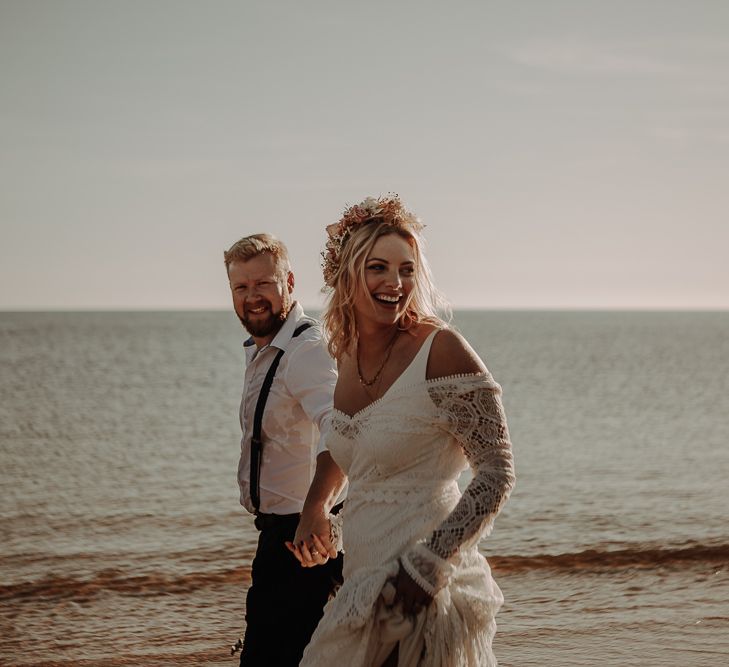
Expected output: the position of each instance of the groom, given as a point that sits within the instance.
(284, 413)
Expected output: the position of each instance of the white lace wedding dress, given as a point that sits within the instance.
(403, 455)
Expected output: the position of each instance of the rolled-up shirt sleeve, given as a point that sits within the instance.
(311, 375)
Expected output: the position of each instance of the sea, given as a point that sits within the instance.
(122, 541)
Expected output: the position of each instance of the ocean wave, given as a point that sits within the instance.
(122, 582)
(60, 587)
(640, 556)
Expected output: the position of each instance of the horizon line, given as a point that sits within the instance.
(220, 309)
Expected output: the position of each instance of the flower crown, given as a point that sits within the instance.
(386, 209)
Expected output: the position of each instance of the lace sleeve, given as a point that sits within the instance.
(472, 413)
(335, 532)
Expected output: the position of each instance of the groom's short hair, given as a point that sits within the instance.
(251, 246)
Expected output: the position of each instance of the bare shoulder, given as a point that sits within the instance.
(421, 331)
(451, 354)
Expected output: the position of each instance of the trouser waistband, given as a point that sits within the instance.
(265, 521)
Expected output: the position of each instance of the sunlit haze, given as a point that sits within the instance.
(561, 154)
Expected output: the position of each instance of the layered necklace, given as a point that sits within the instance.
(388, 352)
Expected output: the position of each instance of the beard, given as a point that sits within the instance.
(261, 327)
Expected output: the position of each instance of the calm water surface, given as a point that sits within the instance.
(123, 542)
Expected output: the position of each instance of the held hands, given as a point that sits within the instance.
(313, 546)
(312, 543)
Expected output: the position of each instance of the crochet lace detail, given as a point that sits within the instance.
(474, 417)
(422, 494)
(403, 455)
(426, 569)
(344, 425)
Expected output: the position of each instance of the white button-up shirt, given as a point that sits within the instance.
(295, 419)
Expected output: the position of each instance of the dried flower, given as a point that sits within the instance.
(388, 209)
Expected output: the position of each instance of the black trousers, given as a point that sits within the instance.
(285, 601)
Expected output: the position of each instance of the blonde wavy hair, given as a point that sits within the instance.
(424, 304)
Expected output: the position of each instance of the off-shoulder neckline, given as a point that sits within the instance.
(395, 390)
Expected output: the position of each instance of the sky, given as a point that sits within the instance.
(562, 154)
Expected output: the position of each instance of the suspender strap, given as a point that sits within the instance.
(256, 441)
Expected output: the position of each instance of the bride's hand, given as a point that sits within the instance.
(409, 594)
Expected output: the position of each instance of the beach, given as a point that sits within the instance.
(123, 542)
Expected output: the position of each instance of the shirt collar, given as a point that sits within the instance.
(282, 339)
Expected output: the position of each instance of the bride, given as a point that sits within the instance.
(413, 406)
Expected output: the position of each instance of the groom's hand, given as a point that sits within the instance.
(312, 542)
(309, 556)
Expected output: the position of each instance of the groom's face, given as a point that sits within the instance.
(261, 291)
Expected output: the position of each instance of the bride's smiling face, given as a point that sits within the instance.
(389, 279)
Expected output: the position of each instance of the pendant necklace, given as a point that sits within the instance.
(369, 383)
